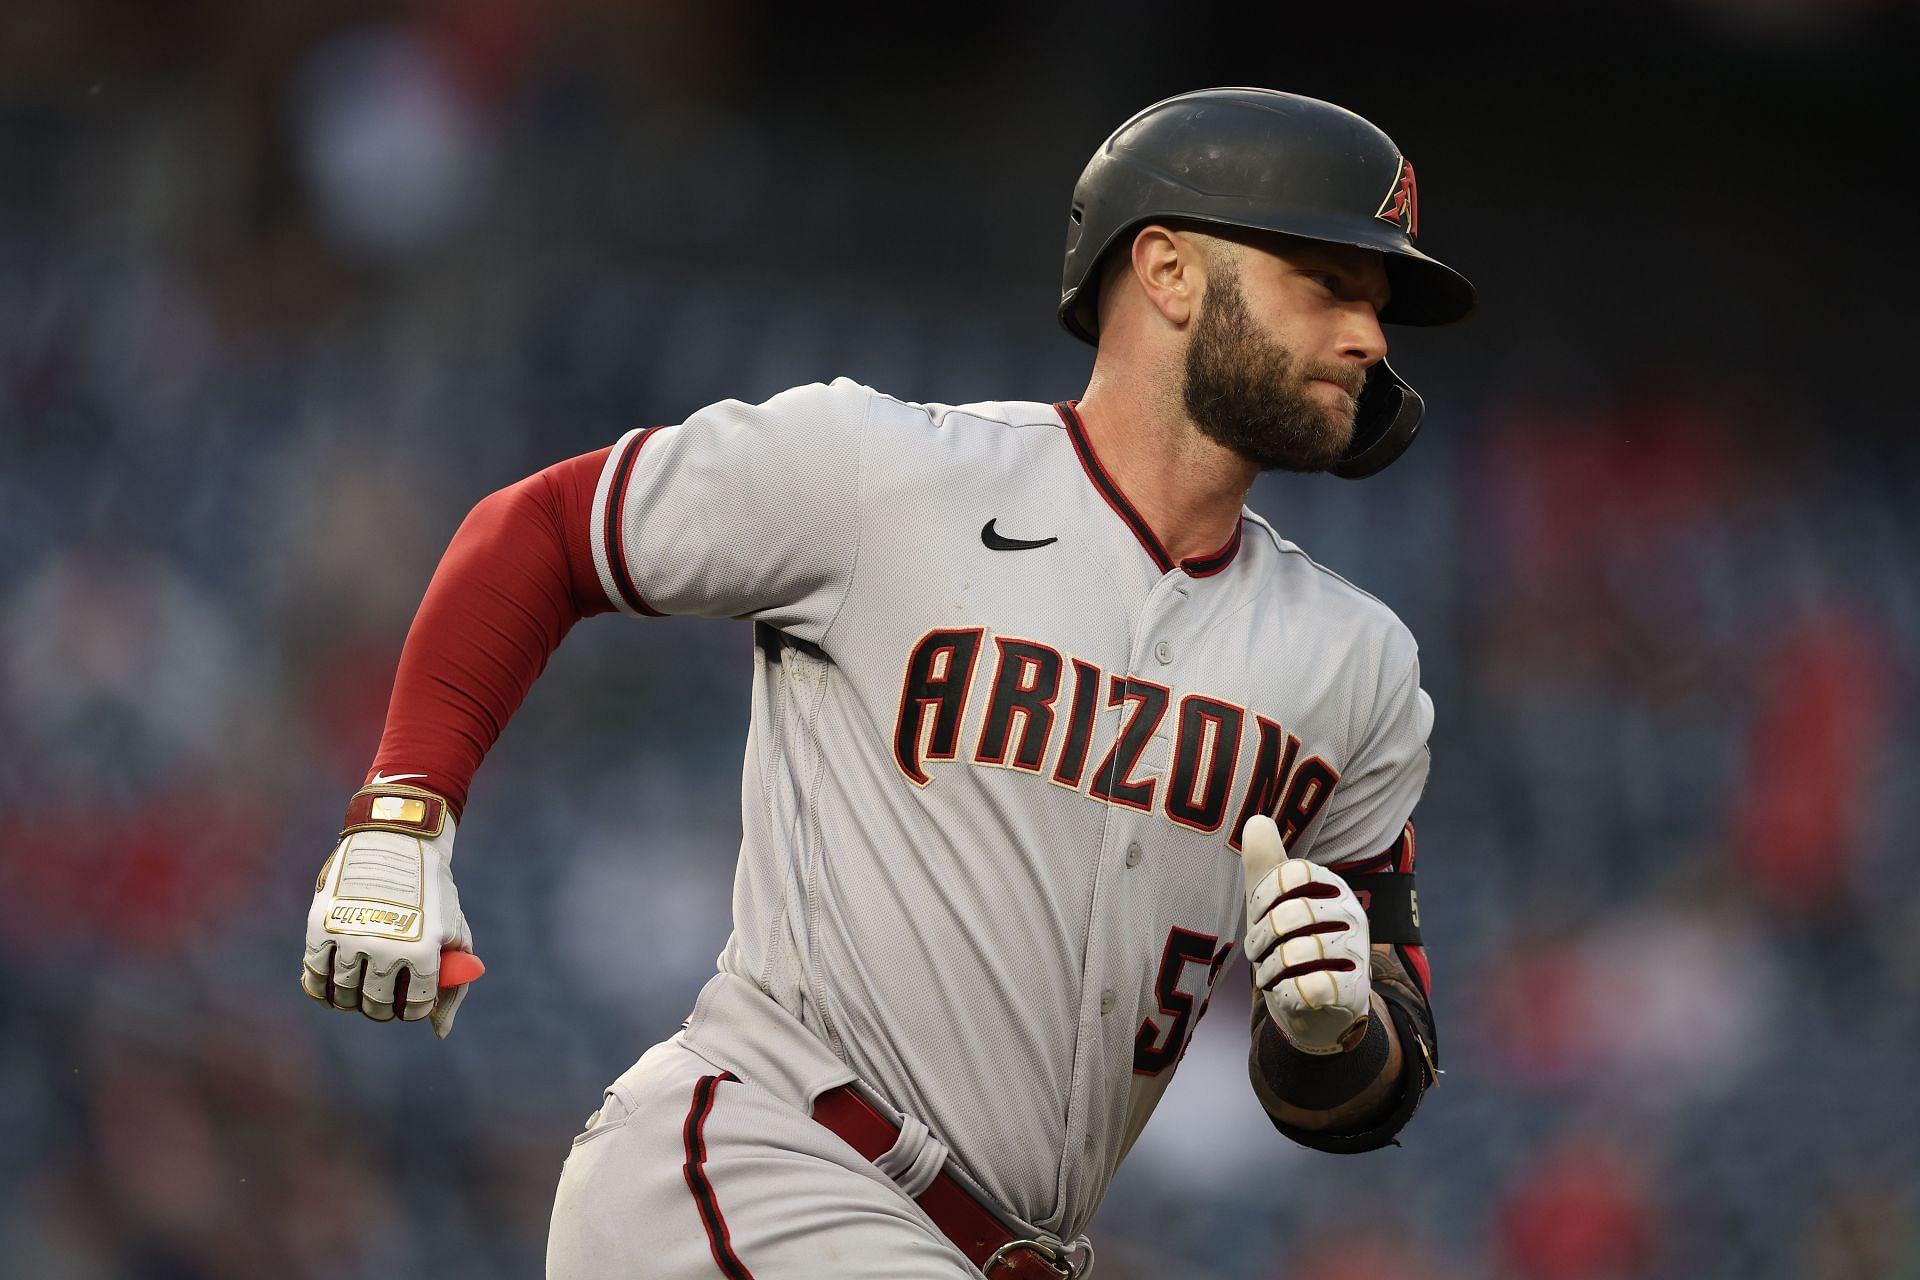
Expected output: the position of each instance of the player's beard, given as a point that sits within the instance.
(1248, 392)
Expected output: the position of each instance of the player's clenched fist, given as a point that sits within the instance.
(1307, 940)
(385, 907)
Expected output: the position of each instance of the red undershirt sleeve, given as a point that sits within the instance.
(517, 575)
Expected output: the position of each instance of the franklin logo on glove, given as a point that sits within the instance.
(349, 917)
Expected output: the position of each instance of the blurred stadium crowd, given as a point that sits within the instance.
(286, 293)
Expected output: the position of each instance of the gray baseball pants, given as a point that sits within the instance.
(687, 1173)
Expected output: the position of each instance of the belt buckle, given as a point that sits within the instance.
(1057, 1259)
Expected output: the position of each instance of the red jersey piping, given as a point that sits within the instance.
(1197, 567)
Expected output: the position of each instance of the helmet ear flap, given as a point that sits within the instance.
(1384, 424)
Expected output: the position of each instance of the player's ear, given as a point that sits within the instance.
(1171, 270)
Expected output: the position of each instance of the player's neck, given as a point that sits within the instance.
(1187, 488)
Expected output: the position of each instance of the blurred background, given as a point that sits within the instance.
(286, 286)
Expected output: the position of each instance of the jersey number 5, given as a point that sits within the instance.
(1155, 1049)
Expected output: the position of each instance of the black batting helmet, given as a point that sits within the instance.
(1270, 161)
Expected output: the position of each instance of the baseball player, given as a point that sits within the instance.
(1046, 726)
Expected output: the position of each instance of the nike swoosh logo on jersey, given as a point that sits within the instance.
(998, 542)
(383, 779)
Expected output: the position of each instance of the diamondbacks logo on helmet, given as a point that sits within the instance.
(1402, 205)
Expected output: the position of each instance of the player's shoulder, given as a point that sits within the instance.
(976, 414)
(838, 396)
(810, 409)
(843, 397)
(1307, 588)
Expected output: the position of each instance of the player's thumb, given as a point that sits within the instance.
(1261, 849)
(445, 1005)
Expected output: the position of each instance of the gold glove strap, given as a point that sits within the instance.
(413, 811)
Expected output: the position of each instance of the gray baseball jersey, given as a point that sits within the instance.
(1001, 747)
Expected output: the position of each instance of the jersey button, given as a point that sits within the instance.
(1133, 854)
(1163, 651)
(1106, 1001)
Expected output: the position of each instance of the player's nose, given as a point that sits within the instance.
(1361, 337)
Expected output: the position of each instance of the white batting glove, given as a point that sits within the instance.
(384, 908)
(1307, 940)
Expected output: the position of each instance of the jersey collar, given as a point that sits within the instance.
(1197, 567)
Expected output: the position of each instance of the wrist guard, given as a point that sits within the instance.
(1413, 1024)
(1316, 1081)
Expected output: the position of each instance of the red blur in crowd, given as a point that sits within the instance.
(1823, 697)
(148, 877)
(1583, 1210)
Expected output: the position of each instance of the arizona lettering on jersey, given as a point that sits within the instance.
(984, 693)
(1017, 730)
